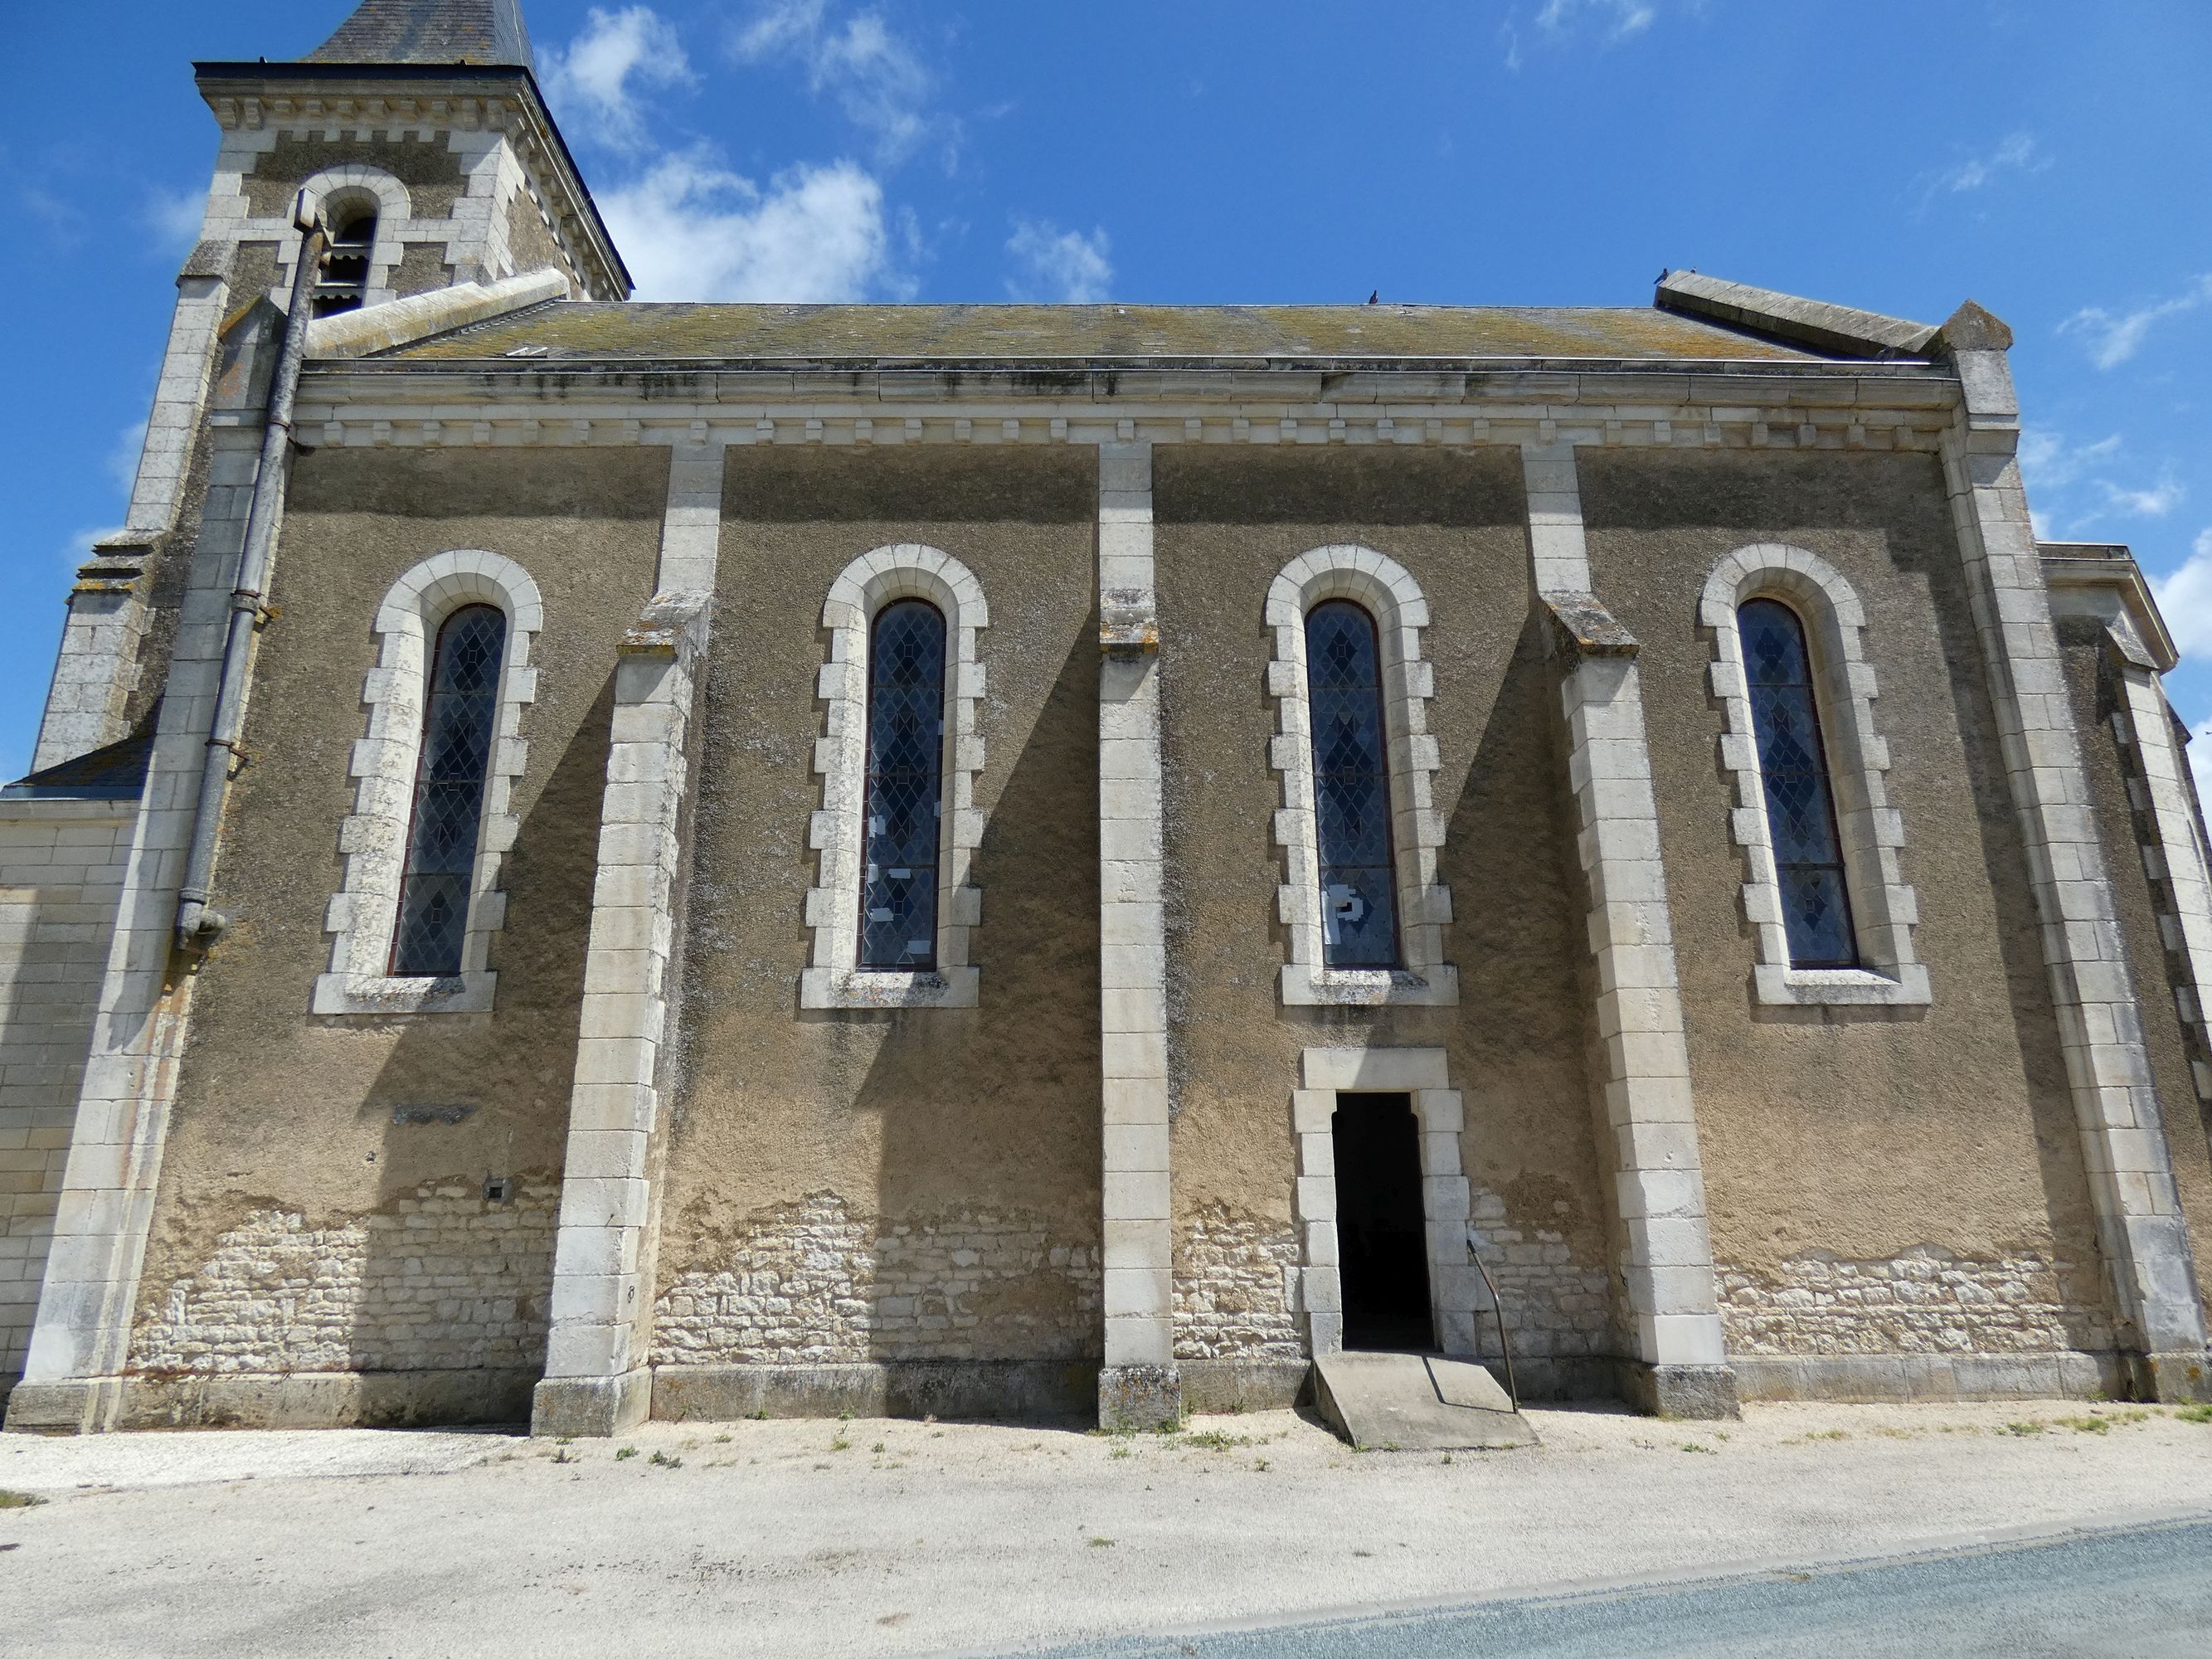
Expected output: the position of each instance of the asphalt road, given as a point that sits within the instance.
(2143, 1592)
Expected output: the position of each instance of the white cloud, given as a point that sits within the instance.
(1620, 18)
(2113, 338)
(2073, 490)
(878, 80)
(2015, 153)
(2185, 599)
(123, 460)
(2051, 463)
(596, 80)
(174, 217)
(1056, 264)
(2156, 502)
(691, 229)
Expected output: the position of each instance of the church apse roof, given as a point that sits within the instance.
(609, 333)
(475, 31)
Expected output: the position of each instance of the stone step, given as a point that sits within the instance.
(1415, 1402)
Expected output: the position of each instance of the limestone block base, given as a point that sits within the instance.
(2172, 1378)
(1706, 1392)
(1020, 1390)
(2060, 1375)
(1139, 1396)
(303, 1400)
(1244, 1385)
(593, 1405)
(83, 1405)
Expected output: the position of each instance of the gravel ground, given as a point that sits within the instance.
(870, 1537)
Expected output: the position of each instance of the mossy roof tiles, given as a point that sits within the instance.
(591, 332)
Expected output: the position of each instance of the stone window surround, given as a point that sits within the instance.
(1391, 595)
(354, 181)
(1884, 908)
(373, 840)
(1423, 1074)
(905, 570)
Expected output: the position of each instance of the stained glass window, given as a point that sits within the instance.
(1801, 815)
(1351, 788)
(459, 727)
(904, 798)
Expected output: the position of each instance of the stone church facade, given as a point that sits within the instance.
(590, 859)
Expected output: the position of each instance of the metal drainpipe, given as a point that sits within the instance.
(197, 926)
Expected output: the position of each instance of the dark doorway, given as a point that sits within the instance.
(1381, 1229)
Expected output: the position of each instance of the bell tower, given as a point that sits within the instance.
(419, 129)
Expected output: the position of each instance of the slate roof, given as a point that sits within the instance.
(599, 333)
(117, 772)
(430, 32)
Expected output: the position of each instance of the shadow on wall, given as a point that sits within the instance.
(985, 1247)
(1538, 1190)
(440, 1295)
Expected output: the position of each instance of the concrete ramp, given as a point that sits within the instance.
(1415, 1402)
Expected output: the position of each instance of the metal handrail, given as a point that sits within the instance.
(1498, 1308)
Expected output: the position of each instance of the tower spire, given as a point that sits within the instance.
(479, 32)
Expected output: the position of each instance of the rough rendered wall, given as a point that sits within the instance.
(530, 239)
(847, 1186)
(2093, 680)
(298, 1225)
(61, 868)
(1227, 520)
(1879, 1181)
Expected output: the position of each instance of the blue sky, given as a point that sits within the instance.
(2052, 161)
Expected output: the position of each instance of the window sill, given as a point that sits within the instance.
(457, 994)
(1812, 987)
(835, 988)
(1304, 986)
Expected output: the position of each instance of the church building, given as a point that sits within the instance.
(589, 859)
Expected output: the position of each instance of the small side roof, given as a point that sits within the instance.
(476, 32)
(116, 772)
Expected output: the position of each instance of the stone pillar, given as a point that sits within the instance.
(2144, 1238)
(1648, 1127)
(597, 1377)
(1139, 1386)
(97, 667)
(2165, 804)
(73, 1377)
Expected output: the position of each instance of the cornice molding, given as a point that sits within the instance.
(422, 99)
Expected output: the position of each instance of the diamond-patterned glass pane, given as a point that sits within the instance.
(1351, 788)
(458, 730)
(905, 787)
(1800, 815)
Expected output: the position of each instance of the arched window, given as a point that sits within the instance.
(1352, 787)
(904, 798)
(459, 725)
(1793, 768)
(342, 282)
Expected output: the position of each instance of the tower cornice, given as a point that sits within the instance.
(502, 97)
